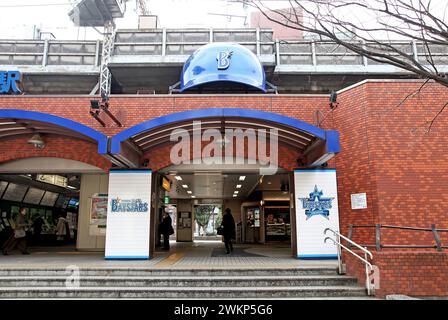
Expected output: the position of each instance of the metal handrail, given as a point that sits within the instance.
(368, 266)
(438, 242)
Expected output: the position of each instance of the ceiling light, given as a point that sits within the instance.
(193, 196)
(189, 192)
(185, 186)
(238, 186)
(235, 195)
(236, 192)
(242, 178)
(178, 178)
(70, 187)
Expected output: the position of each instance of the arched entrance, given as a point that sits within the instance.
(53, 167)
(189, 182)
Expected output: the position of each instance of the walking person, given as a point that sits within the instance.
(229, 232)
(166, 229)
(61, 229)
(37, 230)
(19, 235)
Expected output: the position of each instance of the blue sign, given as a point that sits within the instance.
(8, 81)
(223, 62)
(133, 205)
(316, 205)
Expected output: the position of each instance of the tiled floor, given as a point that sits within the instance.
(197, 255)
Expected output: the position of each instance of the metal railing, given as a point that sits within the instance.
(378, 245)
(49, 52)
(166, 42)
(368, 266)
(183, 42)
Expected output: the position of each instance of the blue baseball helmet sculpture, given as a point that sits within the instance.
(223, 62)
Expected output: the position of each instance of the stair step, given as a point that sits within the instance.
(170, 272)
(179, 281)
(170, 292)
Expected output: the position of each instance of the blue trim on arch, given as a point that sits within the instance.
(58, 121)
(218, 112)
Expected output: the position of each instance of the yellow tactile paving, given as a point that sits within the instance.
(170, 260)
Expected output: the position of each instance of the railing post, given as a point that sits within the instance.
(367, 274)
(350, 235)
(415, 50)
(45, 56)
(313, 53)
(210, 35)
(436, 238)
(163, 42)
(97, 53)
(365, 61)
(258, 41)
(338, 246)
(378, 237)
(277, 51)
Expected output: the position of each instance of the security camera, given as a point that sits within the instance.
(37, 141)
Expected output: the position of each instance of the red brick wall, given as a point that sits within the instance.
(387, 153)
(410, 273)
(55, 146)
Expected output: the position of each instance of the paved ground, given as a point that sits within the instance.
(197, 255)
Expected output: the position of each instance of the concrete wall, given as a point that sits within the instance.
(90, 184)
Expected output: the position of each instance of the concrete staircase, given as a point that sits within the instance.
(128, 283)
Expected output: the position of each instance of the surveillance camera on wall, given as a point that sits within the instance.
(37, 141)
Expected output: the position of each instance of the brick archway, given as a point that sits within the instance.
(56, 147)
(159, 157)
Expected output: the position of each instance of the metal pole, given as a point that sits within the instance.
(313, 53)
(378, 237)
(163, 42)
(45, 56)
(339, 253)
(367, 274)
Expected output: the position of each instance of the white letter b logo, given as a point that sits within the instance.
(223, 59)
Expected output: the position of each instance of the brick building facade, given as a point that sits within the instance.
(387, 151)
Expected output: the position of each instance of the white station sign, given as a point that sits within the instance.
(128, 214)
(316, 202)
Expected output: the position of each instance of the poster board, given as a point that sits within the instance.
(316, 204)
(98, 214)
(128, 214)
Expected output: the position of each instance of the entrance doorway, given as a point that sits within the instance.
(207, 219)
(260, 205)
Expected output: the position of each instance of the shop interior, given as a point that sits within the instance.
(196, 201)
(48, 199)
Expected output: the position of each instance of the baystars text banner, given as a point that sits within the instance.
(128, 214)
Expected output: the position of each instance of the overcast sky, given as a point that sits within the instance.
(18, 18)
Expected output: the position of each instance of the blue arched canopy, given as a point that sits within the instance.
(293, 132)
(14, 122)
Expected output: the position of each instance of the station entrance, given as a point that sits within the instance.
(196, 200)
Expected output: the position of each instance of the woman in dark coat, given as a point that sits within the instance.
(229, 232)
(166, 228)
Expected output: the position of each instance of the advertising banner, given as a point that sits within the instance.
(128, 214)
(316, 202)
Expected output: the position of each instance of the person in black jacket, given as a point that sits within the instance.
(229, 233)
(166, 229)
